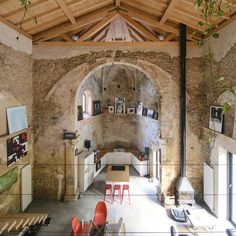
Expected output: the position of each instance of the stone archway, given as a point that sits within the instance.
(62, 94)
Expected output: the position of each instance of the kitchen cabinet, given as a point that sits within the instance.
(85, 170)
(140, 166)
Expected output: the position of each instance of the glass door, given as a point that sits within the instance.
(232, 187)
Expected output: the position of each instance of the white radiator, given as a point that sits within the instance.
(209, 186)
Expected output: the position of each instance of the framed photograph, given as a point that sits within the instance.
(130, 110)
(144, 111)
(16, 148)
(96, 108)
(216, 118)
(150, 113)
(120, 105)
(111, 109)
(155, 115)
(80, 113)
(140, 108)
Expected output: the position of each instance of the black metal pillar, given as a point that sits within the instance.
(183, 99)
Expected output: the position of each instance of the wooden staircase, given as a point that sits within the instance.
(22, 223)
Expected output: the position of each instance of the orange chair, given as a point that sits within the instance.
(99, 220)
(78, 229)
(108, 188)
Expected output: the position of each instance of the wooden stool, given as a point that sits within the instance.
(108, 188)
(117, 187)
(125, 187)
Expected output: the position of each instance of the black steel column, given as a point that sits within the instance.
(183, 99)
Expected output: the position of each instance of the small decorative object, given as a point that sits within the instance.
(216, 118)
(144, 111)
(111, 109)
(17, 119)
(131, 110)
(105, 110)
(69, 135)
(140, 108)
(80, 113)
(8, 179)
(16, 148)
(120, 105)
(96, 108)
(155, 115)
(150, 113)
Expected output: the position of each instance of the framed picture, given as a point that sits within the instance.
(144, 111)
(150, 113)
(140, 108)
(155, 115)
(111, 109)
(131, 110)
(216, 118)
(16, 148)
(105, 110)
(96, 108)
(80, 113)
(120, 105)
(8, 179)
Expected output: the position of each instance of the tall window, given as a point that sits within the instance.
(84, 102)
(87, 102)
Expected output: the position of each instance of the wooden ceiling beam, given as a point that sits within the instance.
(66, 10)
(98, 27)
(66, 37)
(141, 29)
(67, 27)
(117, 3)
(6, 22)
(169, 37)
(168, 11)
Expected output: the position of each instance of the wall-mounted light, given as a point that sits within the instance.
(161, 37)
(75, 37)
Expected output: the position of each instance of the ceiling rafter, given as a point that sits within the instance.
(98, 27)
(168, 11)
(169, 37)
(67, 27)
(117, 3)
(66, 10)
(141, 29)
(66, 37)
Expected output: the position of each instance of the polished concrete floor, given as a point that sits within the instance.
(144, 216)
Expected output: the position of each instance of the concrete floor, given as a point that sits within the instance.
(144, 216)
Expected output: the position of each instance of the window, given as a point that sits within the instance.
(87, 102)
(84, 102)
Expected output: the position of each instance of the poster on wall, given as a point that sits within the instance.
(216, 118)
(96, 108)
(16, 119)
(8, 179)
(120, 105)
(16, 148)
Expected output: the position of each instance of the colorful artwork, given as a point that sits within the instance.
(16, 148)
(8, 179)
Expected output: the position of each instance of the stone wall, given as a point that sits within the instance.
(55, 85)
(15, 89)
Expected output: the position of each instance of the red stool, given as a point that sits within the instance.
(108, 188)
(125, 187)
(117, 187)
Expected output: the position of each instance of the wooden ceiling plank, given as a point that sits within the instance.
(67, 27)
(66, 37)
(169, 37)
(98, 27)
(21, 9)
(139, 27)
(136, 36)
(66, 10)
(6, 22)
(168, 11)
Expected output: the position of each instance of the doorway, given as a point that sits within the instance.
(232, 187)
(158, 164)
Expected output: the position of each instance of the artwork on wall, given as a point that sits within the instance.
(96, 108)
(130, 110)
(216, 118)
(140, 108)
(120, 105)
(16, 119)
(16, 148)
(80, 113)
(150, 113)
(111, 109)
(105, 110)
(144, 111)
(8, 179)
